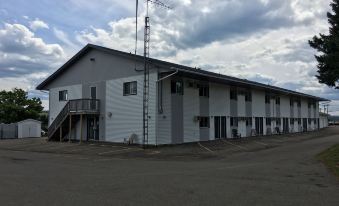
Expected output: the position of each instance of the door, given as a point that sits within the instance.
(305, 124)
(223, 128)
(217, 127)
(285, 125)
(93, 128)
(259, 125)
(220, 127)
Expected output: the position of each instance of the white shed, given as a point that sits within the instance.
(29, 128)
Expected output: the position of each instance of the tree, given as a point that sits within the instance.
(328, 49)
(15, 106)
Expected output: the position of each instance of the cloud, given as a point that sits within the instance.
(63, 37)
(24, 58)
(38, 24)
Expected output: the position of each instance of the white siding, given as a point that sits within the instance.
(127, 111)
(304, 108)
(55, 106)
(219, 105)
(241, 106)
(285, 106)
(191, 109)
(164, 126)
(258, 104)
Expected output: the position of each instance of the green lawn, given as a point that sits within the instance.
(330, 158)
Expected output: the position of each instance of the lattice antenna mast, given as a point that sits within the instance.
(147, 38)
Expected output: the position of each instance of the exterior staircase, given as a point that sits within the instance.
(69, 115)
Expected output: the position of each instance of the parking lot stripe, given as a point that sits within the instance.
(241, 147)
(204, 147)
(113, 151)
(260, 143)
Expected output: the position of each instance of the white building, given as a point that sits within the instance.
(99, 95)
(323, 120)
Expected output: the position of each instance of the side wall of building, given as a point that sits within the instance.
(124, 114)
(227, 116)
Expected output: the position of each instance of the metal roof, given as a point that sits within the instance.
(184, 70)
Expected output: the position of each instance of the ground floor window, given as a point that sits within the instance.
(268, 121)
(204, 122)
(249, 121)
(292, 121)
(233, 122)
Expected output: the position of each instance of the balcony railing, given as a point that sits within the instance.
(76, 106)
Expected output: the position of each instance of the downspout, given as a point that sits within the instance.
(160, 110)
(160, 86)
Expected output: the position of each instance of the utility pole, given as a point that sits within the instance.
(147, 38)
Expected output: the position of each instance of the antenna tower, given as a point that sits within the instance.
(147, 38)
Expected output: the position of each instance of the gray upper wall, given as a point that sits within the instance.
(104, 67)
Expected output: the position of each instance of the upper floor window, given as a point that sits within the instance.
(291, 102)
(177, 87)
(63, 95)
(248, 96)
(267, 99)
(233, 95)
(299, 103)
(204, 90)
(204, 122)
(130, 88)
(277, 100)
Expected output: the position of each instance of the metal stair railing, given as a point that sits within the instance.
(74, 106)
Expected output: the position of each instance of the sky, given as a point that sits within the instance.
(260, 40)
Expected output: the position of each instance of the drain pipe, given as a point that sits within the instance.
(159, 84)
(174, 73)
(160, 110)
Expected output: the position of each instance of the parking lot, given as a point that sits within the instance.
(275, 170)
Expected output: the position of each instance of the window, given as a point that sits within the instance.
(203, 90)
(93, 92)
(291, 103)
(309, 120)
(248, 96)
(299, 121)
(278, 121)
(292, 121)
(234, 121)
(63, 95)
(267, 99)
(277, 100)
(130, 88)
(299, 103)
(177, 87)
(204, 122)
(249, 121)
(268, 121)
(233, 95)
